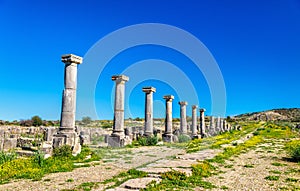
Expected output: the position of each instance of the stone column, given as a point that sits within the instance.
(194, 120)
(118, 124)
(202, 122)
(212, 129)
(218, 126)
(66, 133)
(183, 123)
(221, 125)
(149, 110)
(168, 135)
(225, 125)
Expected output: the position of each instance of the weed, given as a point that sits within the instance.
(228, 166)
(275, 171)
(291, 180)
(248, 166)
(70, 180)
(278, 164)
(272, 178)
(6, 157)
(87, 186)
(224, 187)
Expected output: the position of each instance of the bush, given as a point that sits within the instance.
(293, 149)
(148, 141)
(39, 158)
(203, 169)
(64, 151)
(6, 157)
(183, 138)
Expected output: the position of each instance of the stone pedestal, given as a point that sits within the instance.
(183, 123)
(118, 138)
(194, 120)
(66, 134)
(149, 110)
(202, 123)
(168, 135)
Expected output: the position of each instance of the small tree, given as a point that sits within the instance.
(36, 121)
(86, 120)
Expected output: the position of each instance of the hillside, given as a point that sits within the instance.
(292, 115)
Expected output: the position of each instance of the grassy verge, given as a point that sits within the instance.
(36, 167)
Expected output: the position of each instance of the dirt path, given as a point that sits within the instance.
(120, 160)
(263, 168)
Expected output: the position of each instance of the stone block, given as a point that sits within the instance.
(49, 132)
(59, 140)
(9, 143)
(115, 141)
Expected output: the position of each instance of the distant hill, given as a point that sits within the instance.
(292, 115)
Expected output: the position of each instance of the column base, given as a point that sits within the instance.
(170, 138)
(118, 141)
(120, 134)
(148, 134)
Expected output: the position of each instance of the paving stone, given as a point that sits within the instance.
(172, 163)
(121, 189)
(199, 156)
(153, 170)
(139, 183)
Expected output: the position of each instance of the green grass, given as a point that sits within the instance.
(291, 180)
(70, 180)
(275, 172)
(248, 166)
(272, 178)
(175, 180)
(278, 164)
(124, 176)
(36, 167)
(224, 187)
(87, 186)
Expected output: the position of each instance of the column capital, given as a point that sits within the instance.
(120, 78)
(194, 106)
(169, 97)
(71, 59)
(182, 103)
(202, 110)
(149, 89)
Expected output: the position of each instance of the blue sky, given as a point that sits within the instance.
(256, 45)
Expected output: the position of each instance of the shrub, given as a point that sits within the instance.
(148, 141)
(6, 157)
(256, 133)
(63, 151)
(203, 169)
(183, 138)
(39, 158)
(293, 149)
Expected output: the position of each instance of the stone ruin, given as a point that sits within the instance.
(69, 134)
